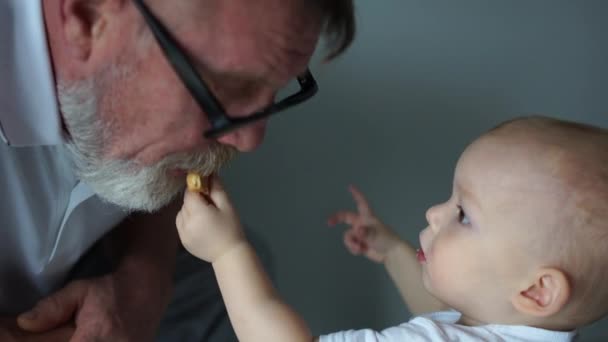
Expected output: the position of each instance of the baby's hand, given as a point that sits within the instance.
(209, 227)
(367, 235)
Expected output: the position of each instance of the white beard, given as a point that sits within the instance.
(123, 182)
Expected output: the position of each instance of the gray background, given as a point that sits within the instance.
(422, 80)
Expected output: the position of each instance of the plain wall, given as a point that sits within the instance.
(422, 80)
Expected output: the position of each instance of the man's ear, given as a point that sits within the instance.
(545, 294)
(84, 22)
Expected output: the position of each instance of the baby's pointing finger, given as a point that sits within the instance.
(362, 204)
(347, 217)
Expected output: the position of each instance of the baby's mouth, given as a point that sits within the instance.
(420, 256)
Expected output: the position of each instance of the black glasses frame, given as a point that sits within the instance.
(221, 123)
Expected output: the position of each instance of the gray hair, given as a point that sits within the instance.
(340, 26)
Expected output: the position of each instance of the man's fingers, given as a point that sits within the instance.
(55, 310)
(362, 204)
(62, 334)
(87, 335)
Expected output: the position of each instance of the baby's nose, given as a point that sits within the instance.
(432, 217)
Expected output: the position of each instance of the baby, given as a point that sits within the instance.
(519, 252)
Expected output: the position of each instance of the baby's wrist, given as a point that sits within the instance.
(231, 249)
(392, 250)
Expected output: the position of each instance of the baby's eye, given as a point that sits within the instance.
(462, 217)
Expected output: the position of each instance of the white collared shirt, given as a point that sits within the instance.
(48, 218)
(28, 104)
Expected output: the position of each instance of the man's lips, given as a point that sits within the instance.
(420, 255)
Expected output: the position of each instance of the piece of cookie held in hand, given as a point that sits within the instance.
(197, 183)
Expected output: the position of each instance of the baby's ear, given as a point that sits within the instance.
(546, 293)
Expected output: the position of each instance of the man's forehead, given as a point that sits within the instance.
(275, 43)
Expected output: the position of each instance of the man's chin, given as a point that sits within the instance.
(148, 188)
(146, 198)
(136, 204)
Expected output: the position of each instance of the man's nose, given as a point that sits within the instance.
(247, 138)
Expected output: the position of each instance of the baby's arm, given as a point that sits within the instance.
(211, 231)
(404, 269)
(370, 237)
(255, 309)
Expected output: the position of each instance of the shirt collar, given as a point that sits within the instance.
(29, 113)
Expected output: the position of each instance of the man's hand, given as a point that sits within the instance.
(102, 309)
(124, 305)
(367, 235)
(208, 227)
(10, 332)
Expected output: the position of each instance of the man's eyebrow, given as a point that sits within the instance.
(210, 74)
(239, 76)
(206, 71)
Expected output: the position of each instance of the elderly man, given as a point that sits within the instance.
(104, 105)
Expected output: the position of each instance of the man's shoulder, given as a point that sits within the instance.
(29, 113)
(37, 174)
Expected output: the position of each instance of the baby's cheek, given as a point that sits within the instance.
(438, 273)
(445, 262)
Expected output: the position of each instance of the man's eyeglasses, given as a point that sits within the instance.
(221, 123)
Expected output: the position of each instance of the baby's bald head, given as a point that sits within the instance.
(574, 159)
